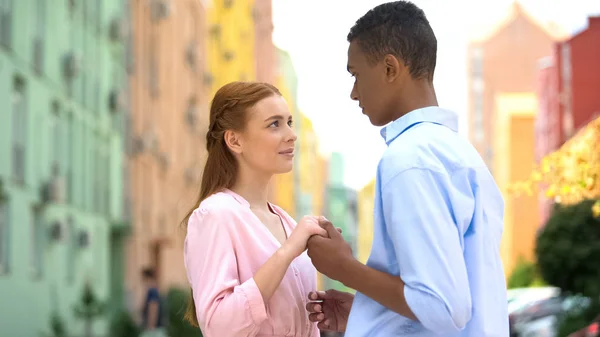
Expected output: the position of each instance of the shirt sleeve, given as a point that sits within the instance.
(224, 306)
(419, 217)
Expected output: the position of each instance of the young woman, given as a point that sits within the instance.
(244, 256)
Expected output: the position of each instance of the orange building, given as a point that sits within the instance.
(168, 124)
(501, 59)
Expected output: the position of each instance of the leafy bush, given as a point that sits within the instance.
(177, 300)
(568, 250)
(525, 274)
(123, 325)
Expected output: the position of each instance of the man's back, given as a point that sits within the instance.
(438, 225)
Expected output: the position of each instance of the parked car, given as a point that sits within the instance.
(541, 317)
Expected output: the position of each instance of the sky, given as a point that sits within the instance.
(314, 34)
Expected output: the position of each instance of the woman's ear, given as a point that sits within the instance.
(233, 141)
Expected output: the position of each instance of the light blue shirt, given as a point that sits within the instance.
(438, 222)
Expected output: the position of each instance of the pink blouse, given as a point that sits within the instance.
(225, 246)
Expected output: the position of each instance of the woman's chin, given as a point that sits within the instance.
(284, 169)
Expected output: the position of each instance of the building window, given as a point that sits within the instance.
(69, 147)
(71, 250)
(6, 23)
(72, 5)
(477, 62)
(83, 72)
(97, 96)
(477, 94)
(19, 129)
(129, 46)
(56, 139)
(489, 158)
(99, 16)
(38, 40)
(106, 183)
(153, 68)
(97, 178)
(37, 244)
(566, 93)
(4, 238)
(83, 185)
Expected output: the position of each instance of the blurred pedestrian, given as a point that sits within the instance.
(244, 256)
(435, 267)
(152, 324)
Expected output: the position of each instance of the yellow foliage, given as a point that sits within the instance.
(570, 174)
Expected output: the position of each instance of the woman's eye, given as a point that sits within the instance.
(274, 124)
(290, 123)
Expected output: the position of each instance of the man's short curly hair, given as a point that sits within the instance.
(399, 28)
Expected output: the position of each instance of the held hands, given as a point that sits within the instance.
(330, 253)
(307, 227)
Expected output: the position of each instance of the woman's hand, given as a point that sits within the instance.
(307, 227)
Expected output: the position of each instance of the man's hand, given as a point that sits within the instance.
(330, 255)
(330, 309)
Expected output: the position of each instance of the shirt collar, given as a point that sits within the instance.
(431, 114)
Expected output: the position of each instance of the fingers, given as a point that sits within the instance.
(320, 231)
(316, 240)
(317, 295)
(324, 326)
(331, 230)
(316, 317)
(339, 230)
(314, 307)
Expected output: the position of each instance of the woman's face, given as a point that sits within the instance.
(267, 143)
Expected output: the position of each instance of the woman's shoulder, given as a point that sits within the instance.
(219, 204)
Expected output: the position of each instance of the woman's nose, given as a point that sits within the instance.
(292, 135)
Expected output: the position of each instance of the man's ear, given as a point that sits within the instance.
(394, 67)
(233, 141)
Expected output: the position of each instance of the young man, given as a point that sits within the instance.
(435, 267)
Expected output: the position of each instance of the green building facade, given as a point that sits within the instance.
(341, 209)
(61, 160)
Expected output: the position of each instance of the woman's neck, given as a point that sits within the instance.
(253, 188)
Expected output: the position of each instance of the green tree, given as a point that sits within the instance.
(89, 308)
(568, 249)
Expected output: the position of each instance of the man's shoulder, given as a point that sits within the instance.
(442, 151)
(403, 156)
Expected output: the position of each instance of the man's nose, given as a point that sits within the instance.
(354, 93)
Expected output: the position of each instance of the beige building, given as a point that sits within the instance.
(169, 105)
(182, 52)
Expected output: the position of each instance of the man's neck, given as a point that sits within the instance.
(420, 94)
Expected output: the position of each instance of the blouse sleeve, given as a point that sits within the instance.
(224, 306)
